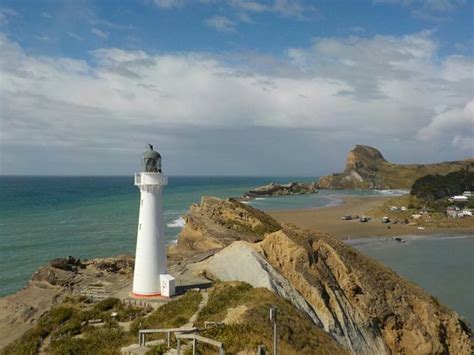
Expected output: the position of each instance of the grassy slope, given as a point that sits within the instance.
(298, 335)
(403, 176)
(68, 335)
(63, 327)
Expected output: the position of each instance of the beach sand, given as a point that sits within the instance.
(328, 220)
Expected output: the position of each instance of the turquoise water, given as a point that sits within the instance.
(42, 218)
(443, 266)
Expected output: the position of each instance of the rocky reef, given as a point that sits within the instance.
(363, 305)
(276, 189)
(366, 168)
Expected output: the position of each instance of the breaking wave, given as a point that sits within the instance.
(177, 223)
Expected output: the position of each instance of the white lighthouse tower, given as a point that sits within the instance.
(150, 256)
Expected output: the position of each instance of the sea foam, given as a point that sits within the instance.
(393, 192)
(177, 223)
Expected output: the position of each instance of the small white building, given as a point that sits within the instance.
(168, 285)
(460, 198)
(467, 194)
(453, 211)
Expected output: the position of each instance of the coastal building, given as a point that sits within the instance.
(453, 211)
(460, 198)
(468, 194)
(150, 256)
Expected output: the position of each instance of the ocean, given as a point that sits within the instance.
(42, 218)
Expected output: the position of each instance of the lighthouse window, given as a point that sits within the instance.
(141, 201)
(140, 226)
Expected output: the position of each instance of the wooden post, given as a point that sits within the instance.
(194, 346)
(178, 348)
(168, 338)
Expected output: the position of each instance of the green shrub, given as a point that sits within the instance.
(107, 304)
(436, 187)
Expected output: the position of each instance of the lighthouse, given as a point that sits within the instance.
(150, 256)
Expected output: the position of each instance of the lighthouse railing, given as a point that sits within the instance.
(138, 179)
(150, 179)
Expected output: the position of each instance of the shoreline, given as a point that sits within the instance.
(328, 220)
(428, 237)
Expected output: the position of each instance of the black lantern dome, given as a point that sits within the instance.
(151, 161)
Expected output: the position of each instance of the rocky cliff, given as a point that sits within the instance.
(276, 189)
(50, 285)
(366, 168)
(365, 306)
(215, 224)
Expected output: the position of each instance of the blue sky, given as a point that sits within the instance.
(239, 86)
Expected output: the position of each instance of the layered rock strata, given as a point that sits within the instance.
(364, 305)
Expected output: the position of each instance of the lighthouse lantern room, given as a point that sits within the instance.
(150, 256)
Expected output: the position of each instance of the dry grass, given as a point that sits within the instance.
(297, 334)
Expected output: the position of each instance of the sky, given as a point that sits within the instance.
(232, 87)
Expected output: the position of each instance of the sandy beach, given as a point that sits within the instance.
(328, 220)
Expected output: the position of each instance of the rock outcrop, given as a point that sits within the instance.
(51, 283)
(366, 168)
(215, 224)
(364, 305)
(276, 189)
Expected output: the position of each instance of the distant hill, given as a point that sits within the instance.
(366, 168)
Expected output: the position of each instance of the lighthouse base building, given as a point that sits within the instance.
(150, 276)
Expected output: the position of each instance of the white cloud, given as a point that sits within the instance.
(369, 90)
(221, 23)
(6, 14)
(287, 8)
(430, 10)
(74, 35)
(456, 124)
(42, 37)
(46, 14)
(168, 4)
(100, 33)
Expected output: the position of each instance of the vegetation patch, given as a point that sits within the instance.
(63, 324)
(432, 188)
(297, 334)
(171, 315)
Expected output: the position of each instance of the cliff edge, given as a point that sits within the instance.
(366, 168)
(363, 305)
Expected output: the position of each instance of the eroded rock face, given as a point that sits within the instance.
(364, 305)
(250, 266)
(366, 168)
(216, 223)
(358, 299)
